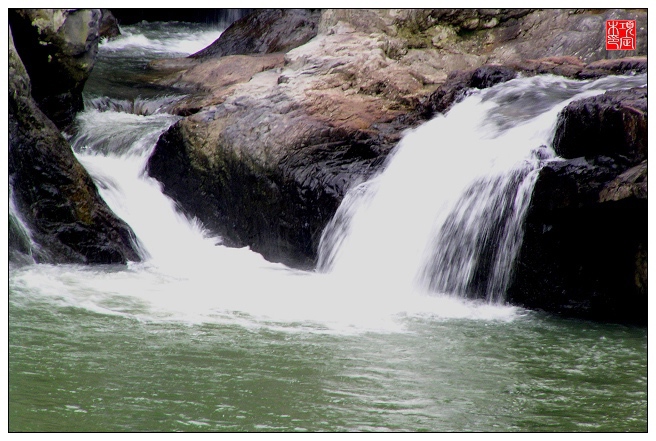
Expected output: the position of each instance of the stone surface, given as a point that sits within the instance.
(585, 244)
(108, 27)
(612, 124)
(630, 184)
(263, 32)
(584, 254)
(57, 199)
(58, 47)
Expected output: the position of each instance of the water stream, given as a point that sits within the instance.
(401, 328)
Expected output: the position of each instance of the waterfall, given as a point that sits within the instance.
(114, 140)
(446, 214)
(22, 247)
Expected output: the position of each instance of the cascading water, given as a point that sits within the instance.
(446, 214)
(199, 336)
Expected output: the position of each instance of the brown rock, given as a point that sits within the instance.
(630, 184)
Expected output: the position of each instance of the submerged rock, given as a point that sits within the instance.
(58, 201)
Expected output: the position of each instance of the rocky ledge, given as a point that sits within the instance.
(275, 134)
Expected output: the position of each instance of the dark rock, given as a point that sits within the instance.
(57, 199)
(583, 255)
(108, 25)
(278, 207)
(613, 124)
(264, 31)
(629, 185)
(585, 244)
(458, 82)
(622, 66)
(58, 48)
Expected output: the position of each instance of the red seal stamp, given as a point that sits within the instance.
(620, 35)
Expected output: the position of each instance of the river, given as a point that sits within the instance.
(383, 336)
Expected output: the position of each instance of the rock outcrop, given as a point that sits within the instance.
(108, 27)
(613, 124)
(274, 141)
(57, 200)
(268, 31)
(585, 246)
(58, 48)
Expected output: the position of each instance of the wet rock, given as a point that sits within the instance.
(585, 246)
(58, 48)
(622, 66)
(57, 199)
(271, 197)
(108, 27)
(459, 82)
(629, 185)
(613, 124)
(263, 32)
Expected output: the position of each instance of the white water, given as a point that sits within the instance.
(183, 43)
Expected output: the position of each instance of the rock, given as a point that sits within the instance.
(583, 255)
(276, 200)
(613, 124)
(626, 66)
(223, 74)
(57, 199)
(58, 48)
(108, 27)
(584, 252)
(457, 84)
(263, 32)
(630, 184)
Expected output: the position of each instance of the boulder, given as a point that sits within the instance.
(264, 32)
(58, 48)
(59, 205)
(108, 27)
(584, 252)
(613, 124)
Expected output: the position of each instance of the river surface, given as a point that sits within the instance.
(201, 337)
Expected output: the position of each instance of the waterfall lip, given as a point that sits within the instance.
(134, 106)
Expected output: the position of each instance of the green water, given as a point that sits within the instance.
(71, 369)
